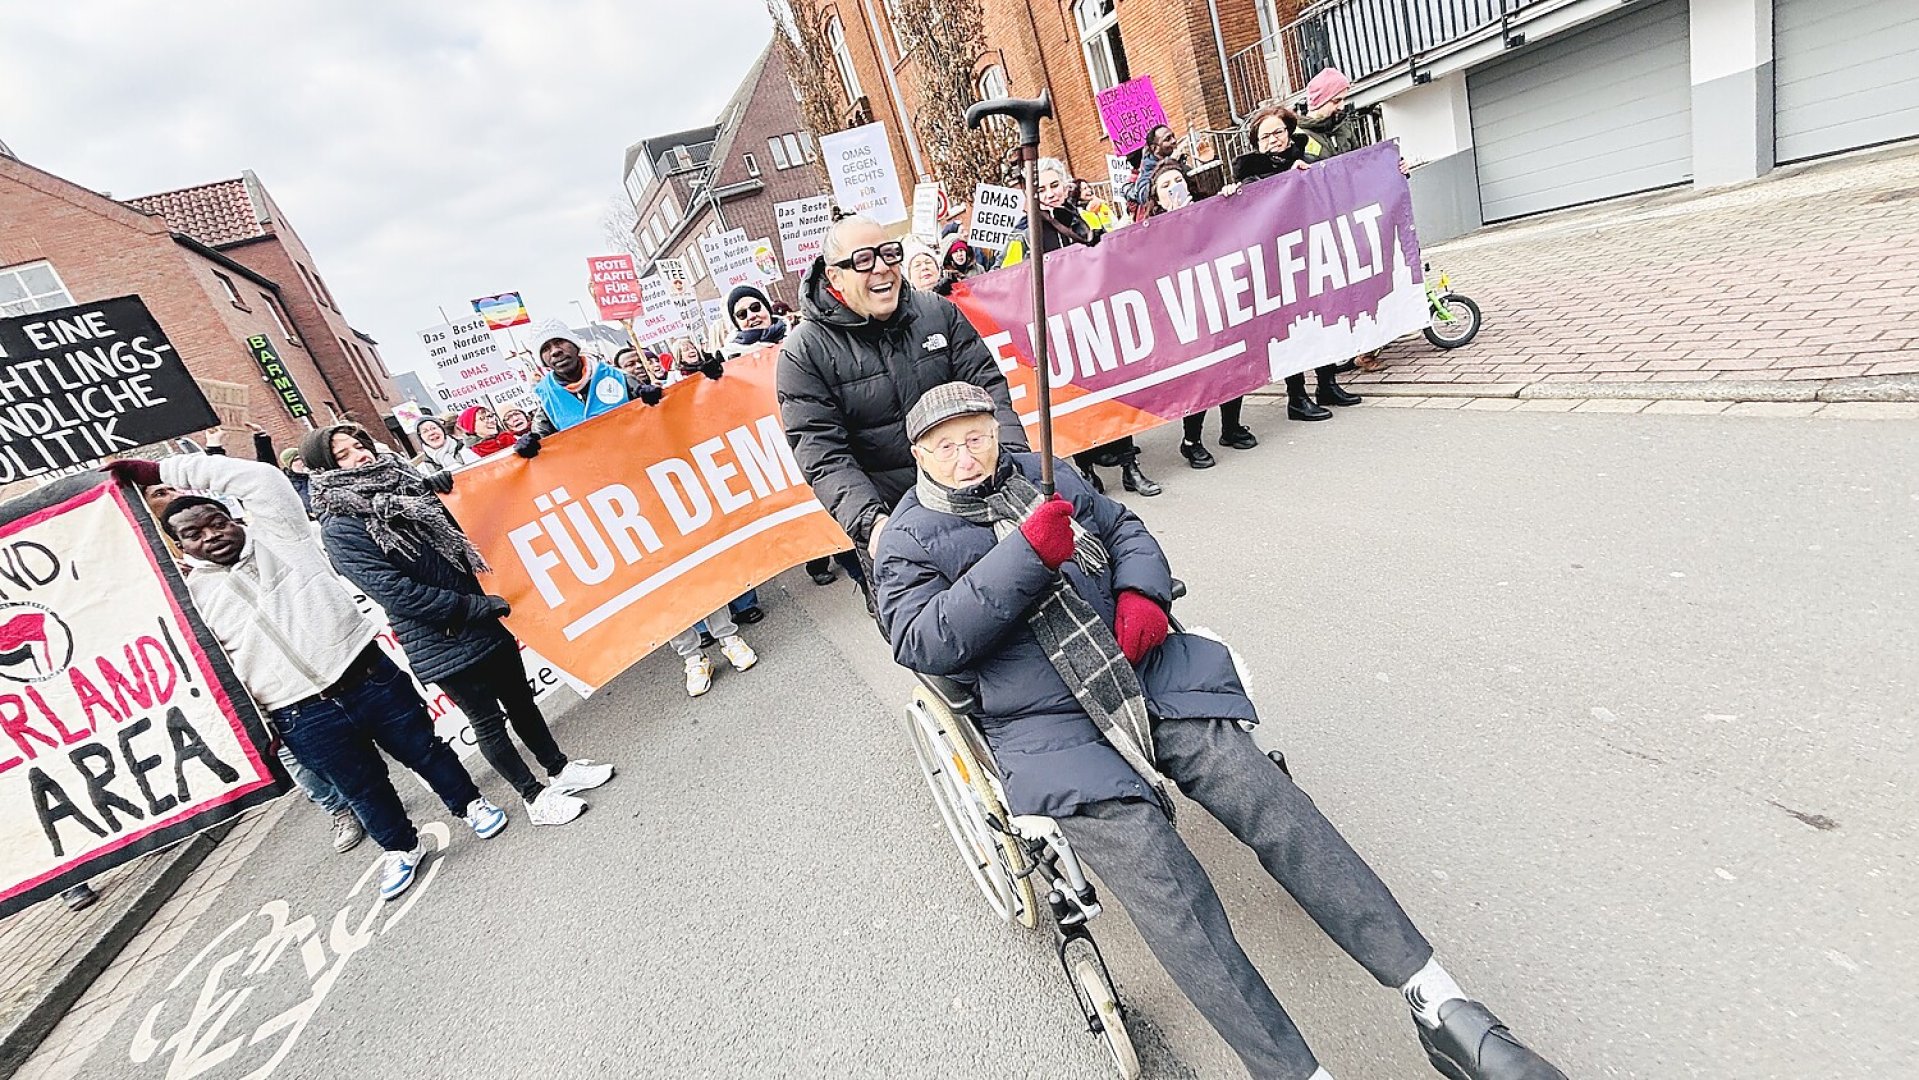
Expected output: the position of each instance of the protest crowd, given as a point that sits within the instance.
(1054, 610)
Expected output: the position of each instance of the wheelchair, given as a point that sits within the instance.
(1012, 857)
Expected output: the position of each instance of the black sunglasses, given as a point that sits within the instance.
(862, 260)
(748, 308)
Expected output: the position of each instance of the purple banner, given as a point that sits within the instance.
(1199, 306)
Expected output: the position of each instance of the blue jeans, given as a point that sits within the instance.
(342, 736)
(318, 789)
(748, 599)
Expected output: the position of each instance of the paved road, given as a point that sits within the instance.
(1622, 707)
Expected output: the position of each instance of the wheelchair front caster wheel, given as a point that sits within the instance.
(1279, 759)
(1102, 1009)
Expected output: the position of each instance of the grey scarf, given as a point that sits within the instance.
(1080, 645)
(400, 512)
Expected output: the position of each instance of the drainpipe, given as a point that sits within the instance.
(893, 89)
(1226, 76)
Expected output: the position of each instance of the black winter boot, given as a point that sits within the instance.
(1135, 479)
(1299, 404)
(1197, 455)
(1331, 393)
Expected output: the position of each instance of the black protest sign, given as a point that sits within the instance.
(80, 383)
(122, 727)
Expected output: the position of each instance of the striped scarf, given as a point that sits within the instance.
(1077, 641)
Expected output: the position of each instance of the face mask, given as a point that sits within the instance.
(1176, 195)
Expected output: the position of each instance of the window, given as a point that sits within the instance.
(646, 243)
(659, 230)
(843, 59)
(893, 21)
(233, 296)
(32, 287)
(992, 84)
(806, 144)
(752, 164)
(1099, 35)
(694, 265)
(315, 287)
(372, 381)
(778, 150)
(672, 209)
(794, 150)
(274, 310)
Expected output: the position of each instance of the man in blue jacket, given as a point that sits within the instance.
(576, 389)
(1054, 612)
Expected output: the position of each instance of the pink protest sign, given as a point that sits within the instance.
(1129, 111)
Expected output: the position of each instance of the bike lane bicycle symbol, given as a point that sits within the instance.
(196, 1046)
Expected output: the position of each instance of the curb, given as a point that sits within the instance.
(84, 962)
(1880, 388)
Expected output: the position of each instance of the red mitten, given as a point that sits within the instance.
(1139, 624)
(1049, 528)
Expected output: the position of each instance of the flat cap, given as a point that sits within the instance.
(944, 402)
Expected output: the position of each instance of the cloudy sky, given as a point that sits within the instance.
(428, 153)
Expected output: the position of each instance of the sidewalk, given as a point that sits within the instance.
(1809, 274)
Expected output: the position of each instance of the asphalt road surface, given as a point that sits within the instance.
(1622, 707)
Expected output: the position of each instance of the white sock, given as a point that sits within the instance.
(1428, 989)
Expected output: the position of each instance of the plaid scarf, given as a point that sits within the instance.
(1080, 645)
(400, 512)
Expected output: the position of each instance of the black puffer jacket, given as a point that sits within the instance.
(438, 610)
(846, 383)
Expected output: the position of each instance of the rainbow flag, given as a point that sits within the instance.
(502, 311)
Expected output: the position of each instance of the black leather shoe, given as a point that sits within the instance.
(824, 577)
(1301, 407)
(1136, 480)
(1197, 455)
(1238, 439)
(1471, 1044)
(1331, 393)
(1092, 478)
(749, 616)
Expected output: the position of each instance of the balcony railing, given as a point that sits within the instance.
(1362, 38)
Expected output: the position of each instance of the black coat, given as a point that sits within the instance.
(953, 601)
(846, 383)
(438, 610)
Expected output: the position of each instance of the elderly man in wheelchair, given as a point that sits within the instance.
(1052, 616)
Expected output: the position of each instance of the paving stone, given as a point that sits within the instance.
(1549, 405)
(1872, 410)
(1688, 408)
(1612, 405)
(1775, 408)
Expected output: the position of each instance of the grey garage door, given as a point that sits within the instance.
(1845, 74)
(1600, 111)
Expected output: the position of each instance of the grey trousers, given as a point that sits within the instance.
(1143, 862)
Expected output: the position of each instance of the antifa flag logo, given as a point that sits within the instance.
(35, 645)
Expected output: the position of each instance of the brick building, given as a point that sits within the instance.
(1075, 48)
(708, 180)
(240, 220)
(62, 244)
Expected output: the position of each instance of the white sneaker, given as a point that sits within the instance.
(486, 819)
(347, 831)
(581, 774)
(396, 871)
(738, 652)
(699, 674)
(555, 807)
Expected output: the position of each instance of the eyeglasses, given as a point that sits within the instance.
(751, 307)
(1276, 133)
(862, 260)
(976, 444)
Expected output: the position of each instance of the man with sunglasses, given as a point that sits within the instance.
(868, 348)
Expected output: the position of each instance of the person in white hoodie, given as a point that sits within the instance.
(439, 450)
(305, 652)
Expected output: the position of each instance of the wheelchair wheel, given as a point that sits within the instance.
(965, 801)
(1102, 1007)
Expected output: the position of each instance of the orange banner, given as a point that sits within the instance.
(638, 523)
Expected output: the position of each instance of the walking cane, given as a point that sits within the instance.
(1029, 112)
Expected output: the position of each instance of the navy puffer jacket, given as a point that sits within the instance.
(953, 600)
(438, 610)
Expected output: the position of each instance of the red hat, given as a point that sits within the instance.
(1326, 86)
(470, 419)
